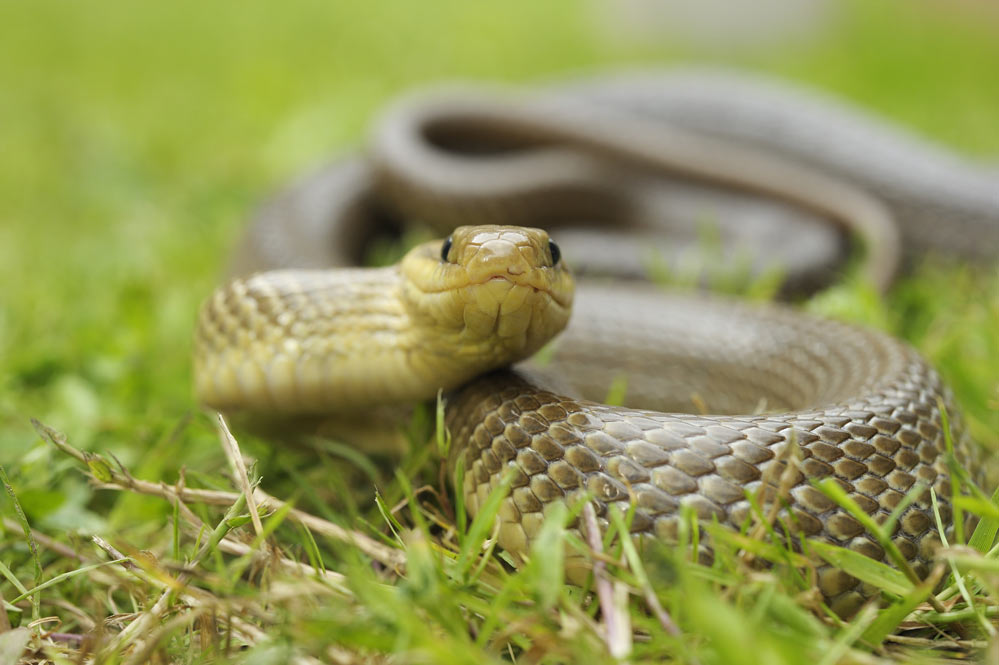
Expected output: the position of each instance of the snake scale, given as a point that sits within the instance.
(612, 166)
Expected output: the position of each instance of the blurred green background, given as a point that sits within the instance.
(136, 138)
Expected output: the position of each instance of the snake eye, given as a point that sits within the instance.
(556, 253)
(446, 249)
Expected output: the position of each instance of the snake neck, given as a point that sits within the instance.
(299, 341)
(316, 341)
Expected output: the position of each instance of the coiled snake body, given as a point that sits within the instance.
(860, 406)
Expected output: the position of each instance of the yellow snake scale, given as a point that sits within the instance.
(859, 406)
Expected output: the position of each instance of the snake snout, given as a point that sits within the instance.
(501, 258)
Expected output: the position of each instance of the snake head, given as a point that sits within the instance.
(496, 293)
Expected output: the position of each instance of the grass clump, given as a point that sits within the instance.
(231, 583)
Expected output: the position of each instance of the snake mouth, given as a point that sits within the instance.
(563, 300)
(517, 280)
(509, 313)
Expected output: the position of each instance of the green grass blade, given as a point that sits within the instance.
(848, 636)
(863, 568)
(22, 519)
(955, 487)
(66, 576)
(478, 531)
(890, 617)
(831, 488)
(984, 535)
(546, 567)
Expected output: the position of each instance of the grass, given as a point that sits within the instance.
(136, 141)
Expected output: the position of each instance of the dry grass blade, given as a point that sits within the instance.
(231, 448)
(617, 632)
(106, 477)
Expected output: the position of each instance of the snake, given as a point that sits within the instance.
(725, 402)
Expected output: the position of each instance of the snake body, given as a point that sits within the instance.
(826, 399)
(942, 202)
